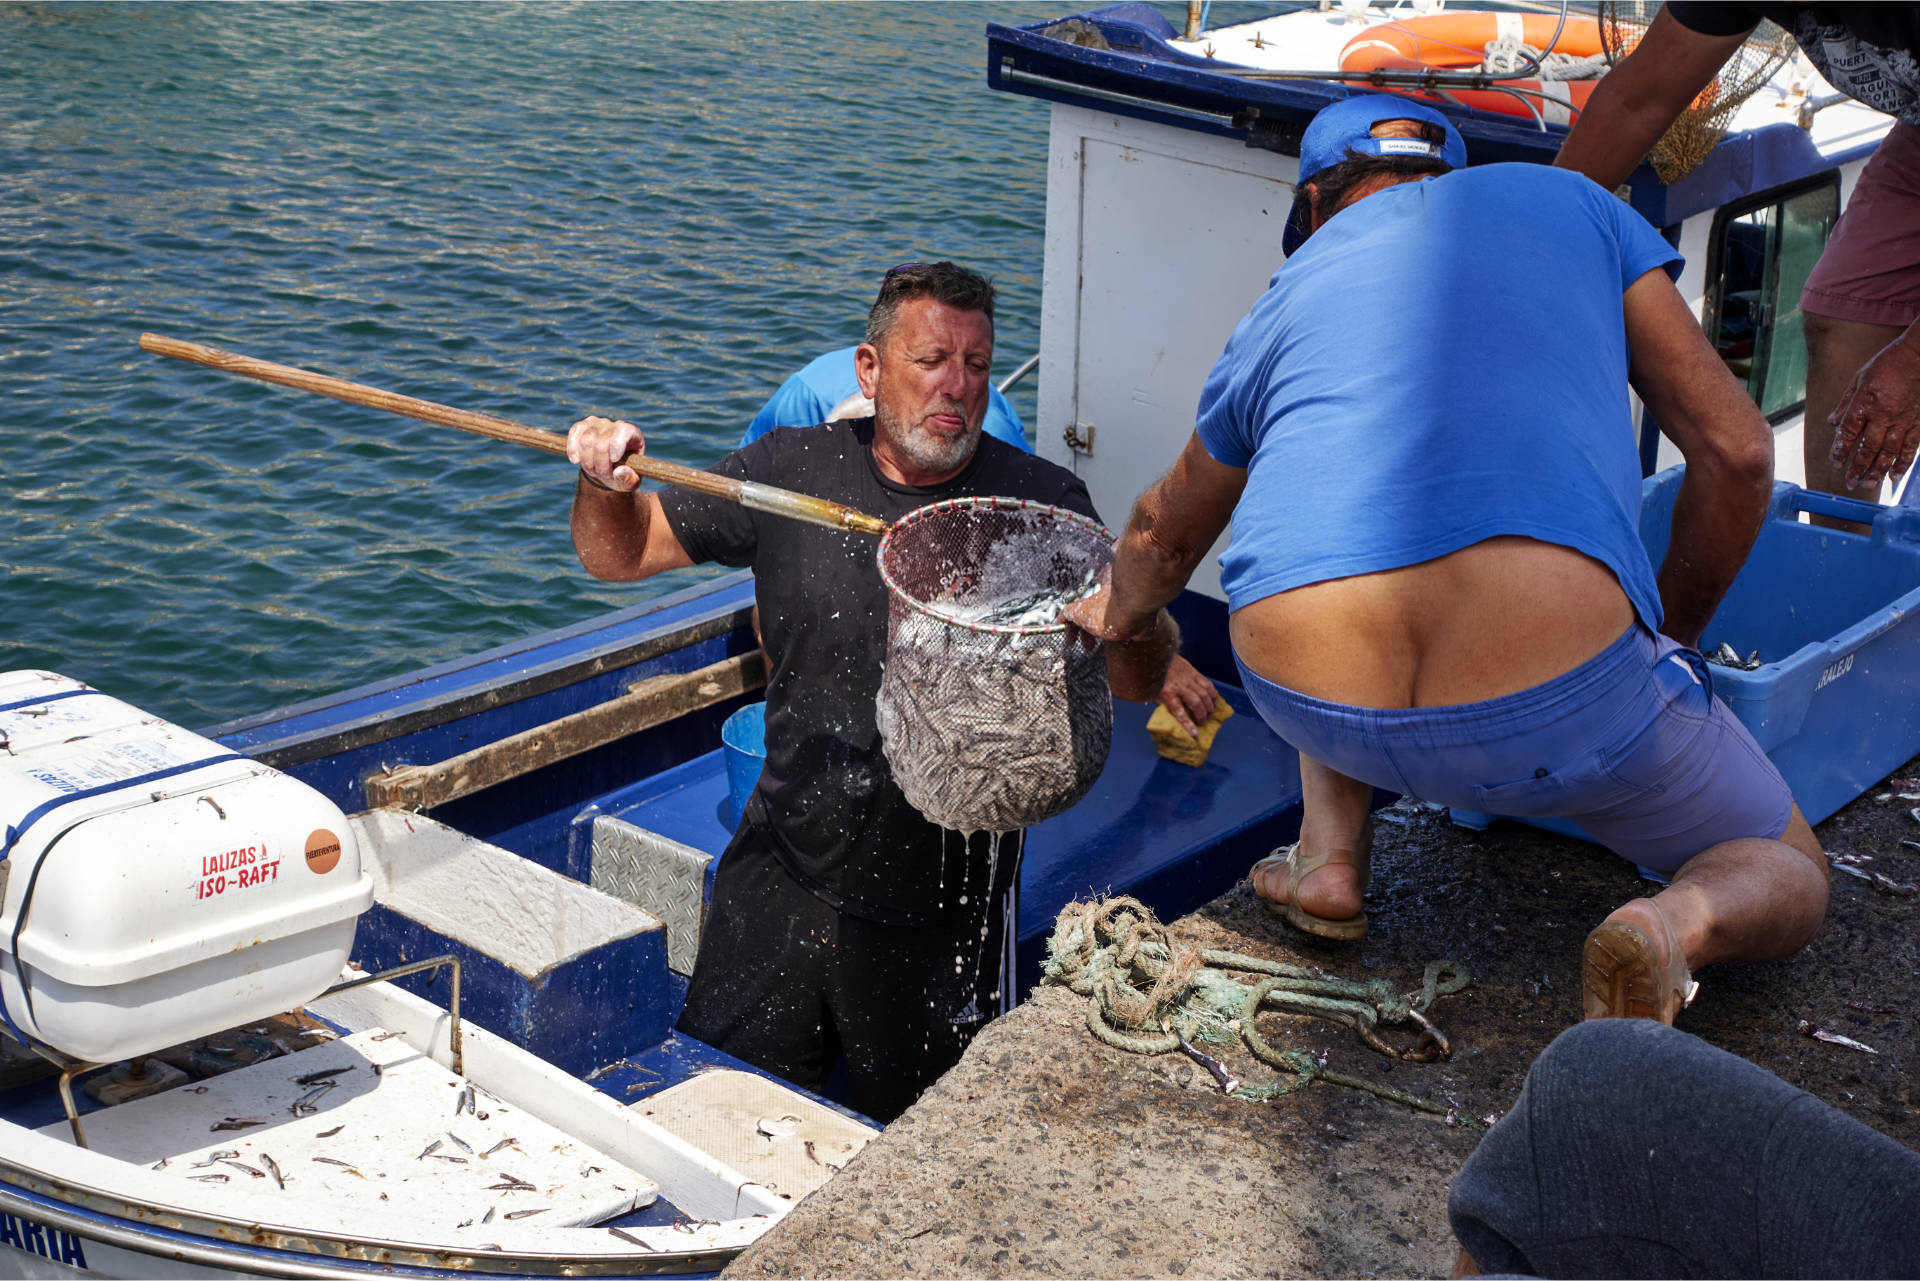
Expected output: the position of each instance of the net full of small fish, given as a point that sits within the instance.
(993, 713)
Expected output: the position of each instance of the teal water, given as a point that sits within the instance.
(537, 211)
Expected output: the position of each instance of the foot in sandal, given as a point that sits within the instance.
(1317, 893)
(1634, 968)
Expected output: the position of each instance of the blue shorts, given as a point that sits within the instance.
(1631, 745)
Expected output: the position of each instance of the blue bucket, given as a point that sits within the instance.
(743, 741)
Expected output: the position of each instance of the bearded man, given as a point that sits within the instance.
(843, 922)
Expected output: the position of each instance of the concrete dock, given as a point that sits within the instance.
(1046, 1153)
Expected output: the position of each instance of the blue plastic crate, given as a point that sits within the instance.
(1835, 702)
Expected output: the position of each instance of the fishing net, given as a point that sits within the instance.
(1699, 128)
(993, 714)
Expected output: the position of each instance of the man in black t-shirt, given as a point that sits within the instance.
(1862, 302)
(842, 921)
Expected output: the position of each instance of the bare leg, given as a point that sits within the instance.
(1744, 900)
(1334, 819)
(1836, 349)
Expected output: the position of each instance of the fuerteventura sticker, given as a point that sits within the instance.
(323, 851)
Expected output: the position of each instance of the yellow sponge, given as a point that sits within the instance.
(1176, 744)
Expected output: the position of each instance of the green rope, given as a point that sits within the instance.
(1142, 988)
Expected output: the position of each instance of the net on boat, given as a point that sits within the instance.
(1699, 128)
(993, 714)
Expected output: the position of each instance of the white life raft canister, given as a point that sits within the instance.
(156, 886)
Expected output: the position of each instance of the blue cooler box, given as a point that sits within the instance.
(1836, 701)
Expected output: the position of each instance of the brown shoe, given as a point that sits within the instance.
(1298, 869)
(1620, 977)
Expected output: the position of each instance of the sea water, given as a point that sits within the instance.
(536, 211)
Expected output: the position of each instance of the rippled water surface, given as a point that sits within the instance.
(533, 210)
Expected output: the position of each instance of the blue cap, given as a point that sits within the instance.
(1347, 125)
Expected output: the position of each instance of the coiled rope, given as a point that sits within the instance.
(1143, 986)
(1508, 55)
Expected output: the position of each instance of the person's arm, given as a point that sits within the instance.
(1876, 424)
(1724, 438)
(1636, 101)
(619, 534)
(1171, 528)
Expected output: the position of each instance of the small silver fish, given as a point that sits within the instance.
(314, 1078)
(523, 1214)
(1832, 1038)
(1727, 656)
(222, 1155)
(431, 1149)
(457, 1160)
(272, 1169)
(241, 1165)
(489, 1218)
(327, 1160)
(458, 1142)
(504, 1143)
(327, 1134)
(1887, 885)
(1226, 1080)
(210, 1178)
(237, 1123)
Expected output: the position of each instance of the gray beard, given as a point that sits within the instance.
(920, 448)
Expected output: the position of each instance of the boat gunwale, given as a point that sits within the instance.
(353, 732)
(125, 1216)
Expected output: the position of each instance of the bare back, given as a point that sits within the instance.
(1488, 620)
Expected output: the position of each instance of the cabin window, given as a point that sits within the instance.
(1761, 252)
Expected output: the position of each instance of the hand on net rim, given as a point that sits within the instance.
(1139, 657)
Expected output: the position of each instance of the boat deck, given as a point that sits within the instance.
(1047, 1153)
(366, 1123)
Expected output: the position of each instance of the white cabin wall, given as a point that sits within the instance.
(1159, 239)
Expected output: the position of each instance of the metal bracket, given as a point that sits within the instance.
(1075, 440)
(453, 997)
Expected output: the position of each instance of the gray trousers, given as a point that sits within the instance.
(1638, 1151)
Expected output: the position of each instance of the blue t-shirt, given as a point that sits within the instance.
(1443, 362)
(806, 399)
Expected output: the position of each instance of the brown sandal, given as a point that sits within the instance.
(1298, 869)
(1620, 979)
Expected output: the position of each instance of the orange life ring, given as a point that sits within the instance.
(1456, 41)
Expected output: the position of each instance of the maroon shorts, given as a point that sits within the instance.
(1870, 271)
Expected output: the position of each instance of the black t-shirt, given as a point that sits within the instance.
(841, 824)
(1865, 50)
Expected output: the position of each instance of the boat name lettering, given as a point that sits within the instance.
(1834, 671)
(249, 867)
(48, 1243)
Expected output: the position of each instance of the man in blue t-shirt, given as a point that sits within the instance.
(827, 390)
(1435, 582)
